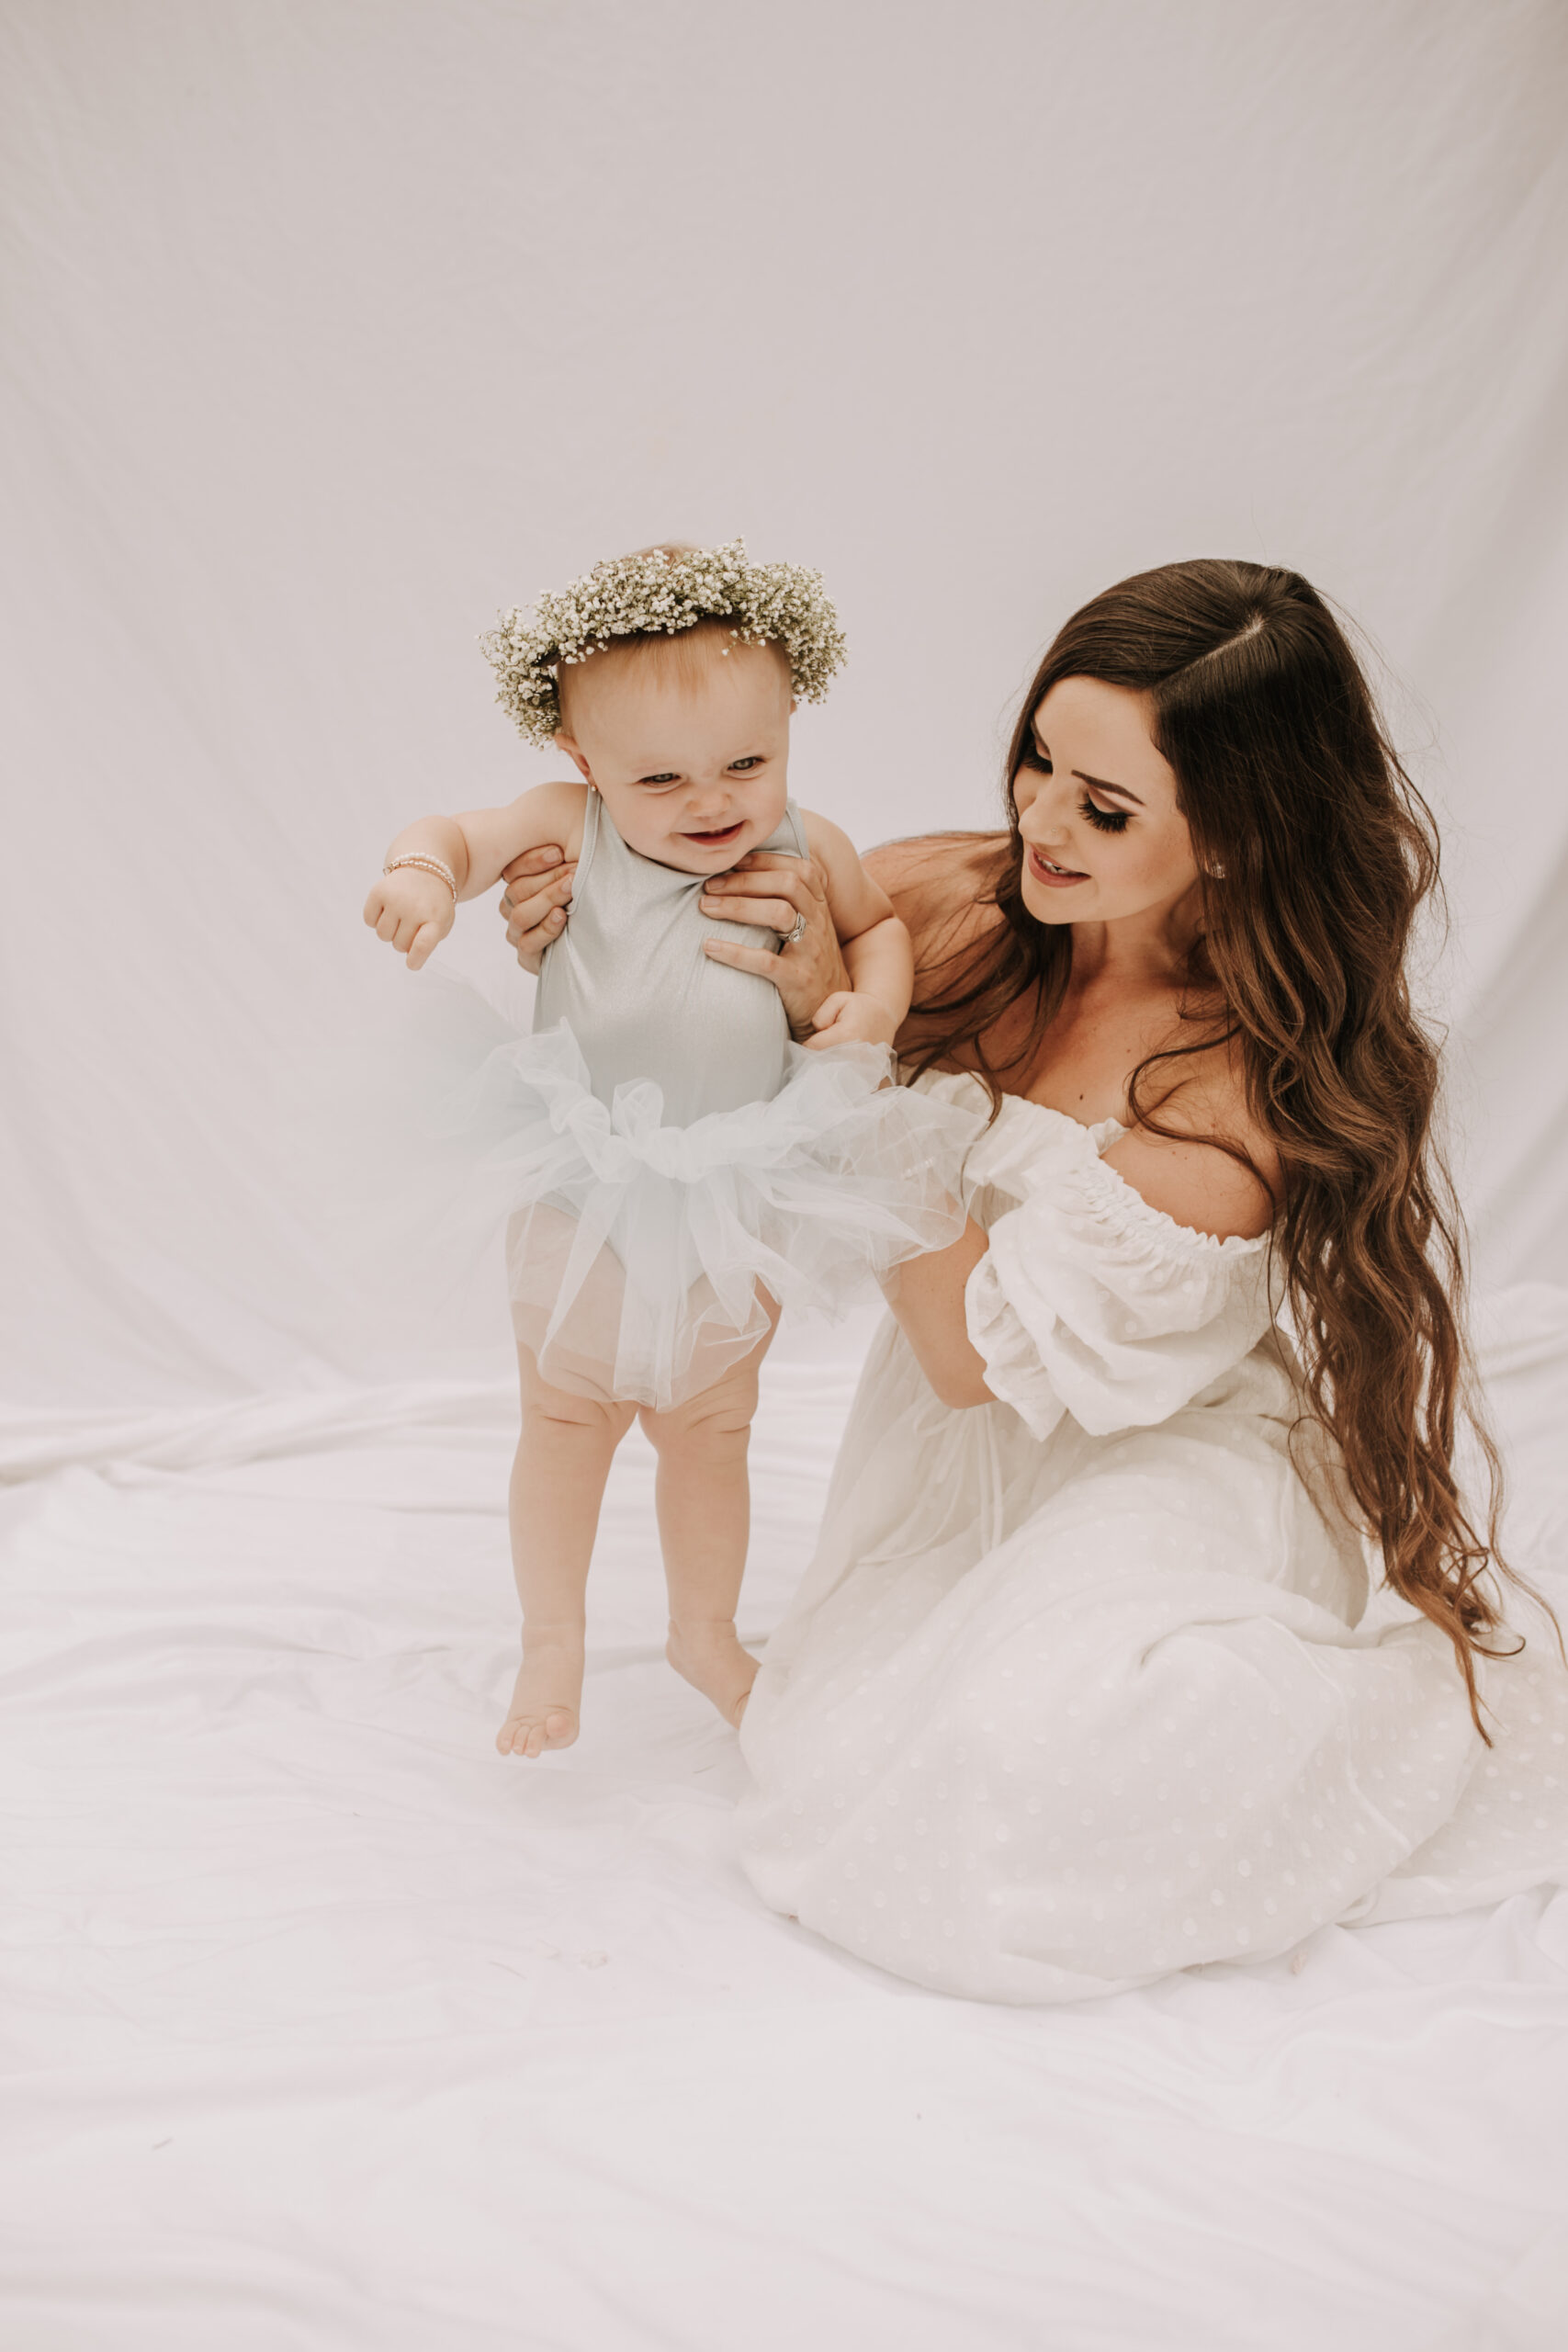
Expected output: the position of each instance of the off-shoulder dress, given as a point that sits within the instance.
(1083, 1686)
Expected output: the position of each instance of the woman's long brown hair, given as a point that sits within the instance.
(1315, 851)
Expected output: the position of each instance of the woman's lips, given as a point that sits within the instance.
(1056, 878)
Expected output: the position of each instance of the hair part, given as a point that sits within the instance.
(1286, 780)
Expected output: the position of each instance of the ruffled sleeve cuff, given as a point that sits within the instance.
(1089, 1302)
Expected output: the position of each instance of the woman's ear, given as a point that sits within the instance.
(567, 743)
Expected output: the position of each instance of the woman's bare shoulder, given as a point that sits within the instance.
(1209, 1162)
(940, 885)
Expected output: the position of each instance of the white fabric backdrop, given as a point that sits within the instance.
(335, 324)
(332, 325)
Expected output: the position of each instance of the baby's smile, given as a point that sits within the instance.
(691, 764)
(720, 838)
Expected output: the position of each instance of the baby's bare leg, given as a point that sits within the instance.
(557, 1484)
(705, 1519)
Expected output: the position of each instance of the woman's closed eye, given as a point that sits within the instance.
(1104, 821)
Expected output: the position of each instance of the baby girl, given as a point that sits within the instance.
(678, 1170)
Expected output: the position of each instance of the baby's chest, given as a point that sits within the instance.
(651, 1004)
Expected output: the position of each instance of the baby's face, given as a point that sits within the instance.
(691, 760)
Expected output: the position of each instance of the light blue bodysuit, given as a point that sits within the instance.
(629, 978)
(680, 1170)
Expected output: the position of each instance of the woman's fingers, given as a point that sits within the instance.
(760, 960)
(525, 909)
(795, 881)
(772, 915)
(768, 887)
(536, 916)
(531, 861)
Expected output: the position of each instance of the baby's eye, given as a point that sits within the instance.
(658, 779)
(753, 760)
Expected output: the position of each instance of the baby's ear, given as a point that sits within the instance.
(569, 744)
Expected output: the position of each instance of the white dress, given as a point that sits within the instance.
(1082, 1686)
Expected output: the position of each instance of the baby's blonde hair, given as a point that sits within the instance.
(682, 661)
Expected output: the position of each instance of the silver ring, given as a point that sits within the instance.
(796, 933)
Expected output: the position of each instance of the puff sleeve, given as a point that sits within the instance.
(1089, 1302)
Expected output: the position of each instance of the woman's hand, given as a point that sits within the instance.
(534, 916)
(773, 891)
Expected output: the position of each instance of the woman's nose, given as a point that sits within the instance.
(1042, 814)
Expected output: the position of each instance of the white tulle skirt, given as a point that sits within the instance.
(644, 1261)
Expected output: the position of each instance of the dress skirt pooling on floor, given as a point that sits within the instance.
(1083, 1686)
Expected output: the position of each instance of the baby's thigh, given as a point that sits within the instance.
(725, 1406)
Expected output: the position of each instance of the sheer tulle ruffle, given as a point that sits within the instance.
(642, 1258)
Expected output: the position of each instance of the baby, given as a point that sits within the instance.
(679, 1170)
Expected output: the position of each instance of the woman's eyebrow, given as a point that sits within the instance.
(1097, 784)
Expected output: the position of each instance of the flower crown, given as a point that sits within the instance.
(662, 591)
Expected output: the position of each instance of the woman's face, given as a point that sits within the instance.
(1103, 837)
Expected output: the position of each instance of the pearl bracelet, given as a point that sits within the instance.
(435, 865)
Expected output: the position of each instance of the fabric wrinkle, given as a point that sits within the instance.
(1082, 1688)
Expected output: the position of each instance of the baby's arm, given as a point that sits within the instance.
(878, 955)
(412, 909)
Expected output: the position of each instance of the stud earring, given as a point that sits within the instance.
(1216, 872)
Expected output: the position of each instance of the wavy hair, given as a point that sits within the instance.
(1322, 852)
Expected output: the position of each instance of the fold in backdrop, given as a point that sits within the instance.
(331, 328)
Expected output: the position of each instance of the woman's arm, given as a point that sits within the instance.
(926, 1296)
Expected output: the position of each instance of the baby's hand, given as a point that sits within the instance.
(846, 1018)
(412, 912)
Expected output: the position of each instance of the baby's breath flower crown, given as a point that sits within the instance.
(662, 591)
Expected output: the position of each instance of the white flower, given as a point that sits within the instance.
(662, 591)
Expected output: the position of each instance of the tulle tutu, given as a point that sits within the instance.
(642, 1258)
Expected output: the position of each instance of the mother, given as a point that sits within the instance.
(1082, 1684)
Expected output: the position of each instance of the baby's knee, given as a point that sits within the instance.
(715, 1427)
(556, 1417)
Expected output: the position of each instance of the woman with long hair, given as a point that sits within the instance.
(1150, 1622)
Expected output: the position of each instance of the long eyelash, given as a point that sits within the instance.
(1104, 821)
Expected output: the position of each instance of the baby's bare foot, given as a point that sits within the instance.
(548, 1694)
(709, 1656)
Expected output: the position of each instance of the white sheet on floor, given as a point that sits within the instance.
(324, 2029)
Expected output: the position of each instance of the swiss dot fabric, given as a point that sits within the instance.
(1081, 1686)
